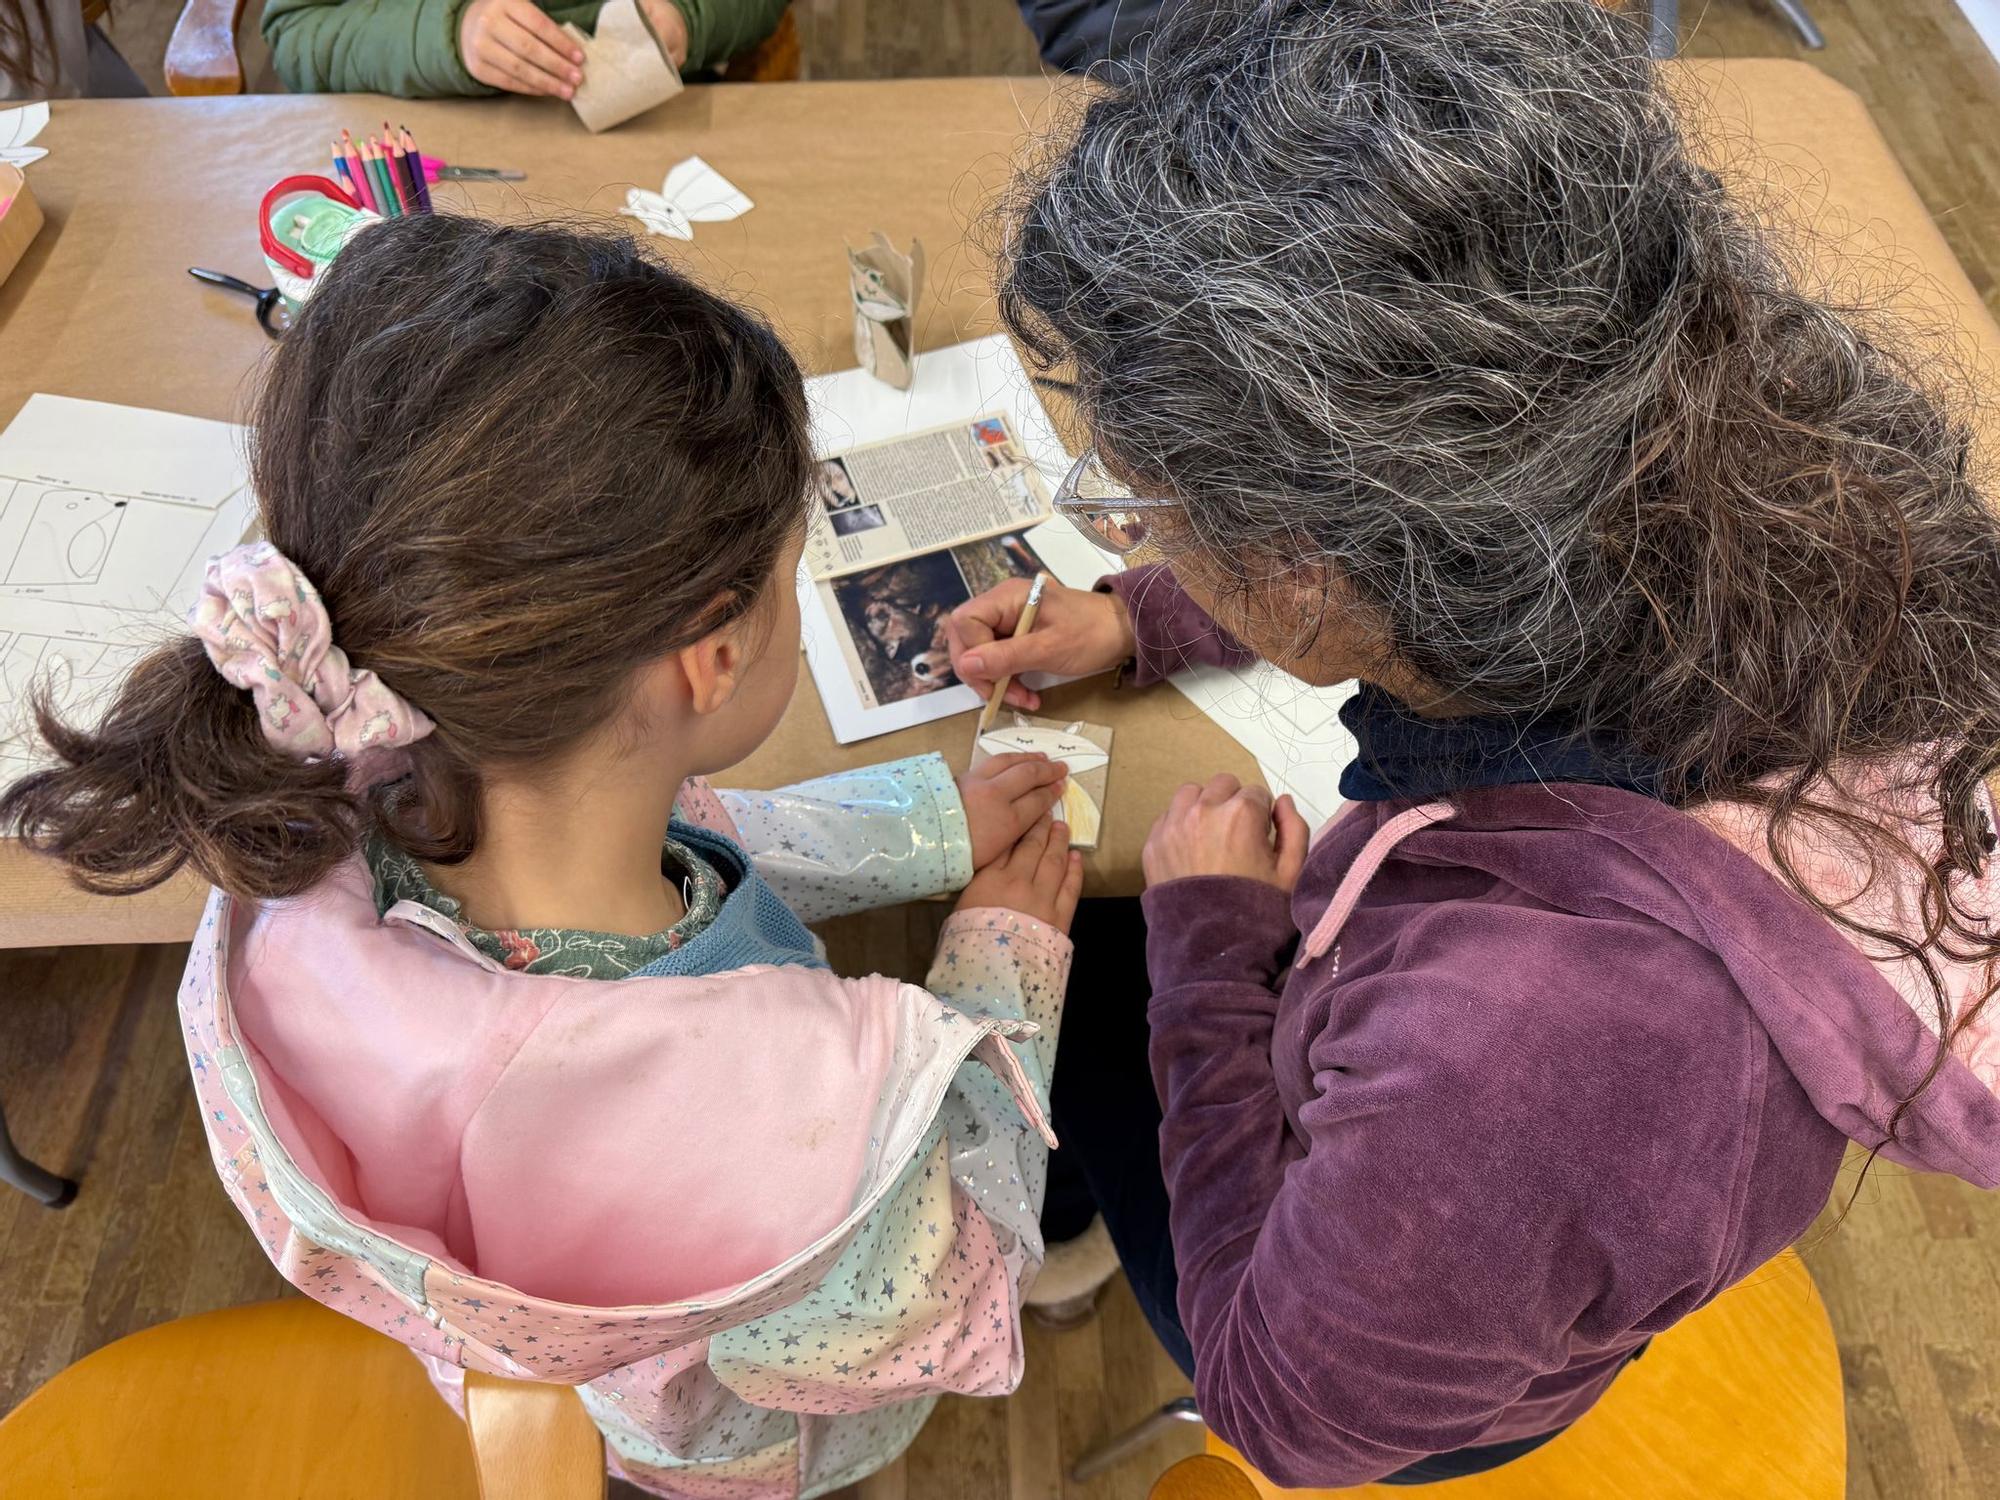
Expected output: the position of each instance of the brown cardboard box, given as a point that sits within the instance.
(20, 221)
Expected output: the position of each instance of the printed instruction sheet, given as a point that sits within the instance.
(108, 516)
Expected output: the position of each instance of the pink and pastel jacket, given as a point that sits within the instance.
(760, 1219)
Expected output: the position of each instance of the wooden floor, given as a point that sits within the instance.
(92, 1073)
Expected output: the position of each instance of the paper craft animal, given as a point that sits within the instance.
(1084, 748)
(886, 284)
(18, 127)
(693, 193)
(625, 71)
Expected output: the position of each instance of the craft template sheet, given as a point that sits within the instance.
(108, 516)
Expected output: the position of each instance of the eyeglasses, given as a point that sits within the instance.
(1107, 513)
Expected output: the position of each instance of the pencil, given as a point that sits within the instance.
(1021, 627)
(399, 177)
(414, 159)
(340, 173)
(358, 171)
(378, 172)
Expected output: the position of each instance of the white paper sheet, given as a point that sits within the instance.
(693, 193)
(19, 127)
(108, 516)
(954, 384)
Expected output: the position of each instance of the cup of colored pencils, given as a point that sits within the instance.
(384, 174)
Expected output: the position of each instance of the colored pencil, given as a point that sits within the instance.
(399, 174)
(388, 165)
(374, 182)
(346, 182)
(412, 163)
(378, 171)
(363, 188)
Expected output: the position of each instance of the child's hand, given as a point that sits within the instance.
(513, 45)
(1040, 877)
(670, 29)
(1003, 797)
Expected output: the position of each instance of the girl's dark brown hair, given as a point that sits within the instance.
(518, 463)
(28, 43)
(1433, 298)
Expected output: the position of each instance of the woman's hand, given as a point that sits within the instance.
(1040, 877)
(1227, 828)
(514, 45)
(1076, 632)
(1004, 797)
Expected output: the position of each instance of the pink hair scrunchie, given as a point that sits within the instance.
(264, 627)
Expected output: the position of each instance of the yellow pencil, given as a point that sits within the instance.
(1021, 627)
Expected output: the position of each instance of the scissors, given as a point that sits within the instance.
(272, 315)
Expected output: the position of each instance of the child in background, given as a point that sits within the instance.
(431, 49)
(534, 505)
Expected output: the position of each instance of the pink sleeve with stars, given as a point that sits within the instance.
(926, 1298)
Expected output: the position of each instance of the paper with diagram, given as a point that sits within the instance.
(108, 516)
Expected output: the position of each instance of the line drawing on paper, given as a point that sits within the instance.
(70, 534)
(81, 676)
(104, 550)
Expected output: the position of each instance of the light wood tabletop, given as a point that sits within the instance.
(136, 191)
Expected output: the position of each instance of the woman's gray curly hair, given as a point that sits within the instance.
(1433, 295)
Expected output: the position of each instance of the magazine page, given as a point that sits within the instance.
(873, 636)
(883, 502)
(875, 640)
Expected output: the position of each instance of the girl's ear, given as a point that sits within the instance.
(713, 667)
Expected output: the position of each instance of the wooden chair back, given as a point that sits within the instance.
(290, 1398)
(1742, 1399)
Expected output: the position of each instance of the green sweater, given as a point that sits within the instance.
(410, 47)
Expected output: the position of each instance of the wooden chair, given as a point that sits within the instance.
(201, 54)
(1742, 1399)
(289, 1398)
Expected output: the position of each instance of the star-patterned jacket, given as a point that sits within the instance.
(760, 1219)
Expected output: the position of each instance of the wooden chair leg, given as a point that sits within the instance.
(1130, 1441)
(37, 1182)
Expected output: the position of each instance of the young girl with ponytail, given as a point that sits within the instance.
(509, 1037)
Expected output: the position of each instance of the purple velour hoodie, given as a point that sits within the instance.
(1507, 1085)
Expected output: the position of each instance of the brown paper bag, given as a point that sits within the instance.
(886, 284)
(1084, 748)
(625, 72)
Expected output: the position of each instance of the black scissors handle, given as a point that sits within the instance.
(267, 298)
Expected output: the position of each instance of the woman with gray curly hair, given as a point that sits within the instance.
(1437, 360)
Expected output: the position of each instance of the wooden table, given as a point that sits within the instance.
(136, 191)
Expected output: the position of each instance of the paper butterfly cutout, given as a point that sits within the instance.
(694, 193)
(17, 128)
